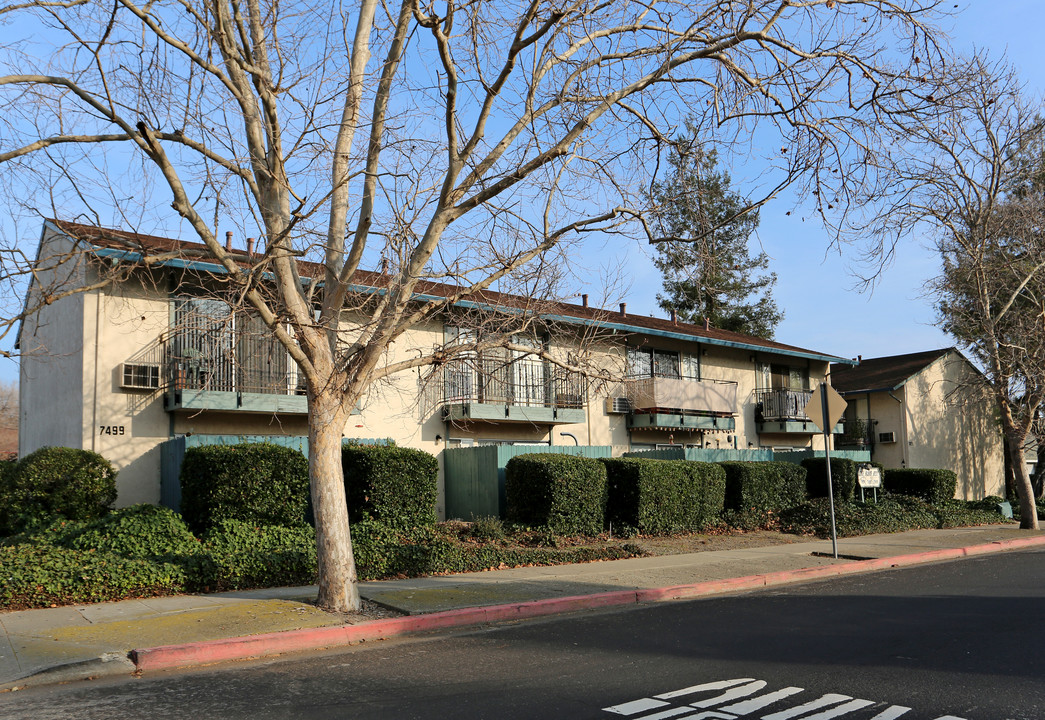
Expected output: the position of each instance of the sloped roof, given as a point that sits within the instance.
(132, 244)
(884, 373)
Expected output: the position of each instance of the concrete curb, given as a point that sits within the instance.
(107, 665)
(270, 644)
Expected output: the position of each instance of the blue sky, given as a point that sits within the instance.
(815, 287)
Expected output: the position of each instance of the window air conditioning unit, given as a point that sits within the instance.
(887, 437)
(139, 376)
(618, 406)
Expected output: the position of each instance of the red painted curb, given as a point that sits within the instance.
(241, 648)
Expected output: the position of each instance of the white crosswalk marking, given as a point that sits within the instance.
(823, 701)
(720, 685)
(749, 706)
(733, 694)
(738, 699)
(636, 706)
(891, 713)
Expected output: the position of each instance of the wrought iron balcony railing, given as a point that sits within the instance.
(781, 404)
(856, 433)
(527, 382)
(222, 362)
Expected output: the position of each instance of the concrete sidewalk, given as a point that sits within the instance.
(86, 641)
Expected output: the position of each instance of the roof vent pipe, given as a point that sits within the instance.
(250, 247)
(584, 299)
(674, 317)
(624, 308)
(228, 241)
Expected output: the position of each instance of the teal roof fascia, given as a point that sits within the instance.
(750, 347)
(131, 255)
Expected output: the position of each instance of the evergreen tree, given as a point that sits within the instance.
(703, 253)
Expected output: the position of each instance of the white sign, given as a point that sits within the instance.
(869, 476)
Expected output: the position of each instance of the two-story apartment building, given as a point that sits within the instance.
(123, 367)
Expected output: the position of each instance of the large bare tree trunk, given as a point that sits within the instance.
(1024, 489)
(337, 566)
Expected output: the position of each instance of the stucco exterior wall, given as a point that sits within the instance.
(51, 364)
(952, 425)
(126, 426)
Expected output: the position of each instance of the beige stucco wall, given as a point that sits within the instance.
(125, 426)
(951, 425)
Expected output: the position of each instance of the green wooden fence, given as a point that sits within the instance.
(474, 476)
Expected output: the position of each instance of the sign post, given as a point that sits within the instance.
(825, 409)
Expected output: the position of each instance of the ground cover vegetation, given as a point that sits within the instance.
(560, 509)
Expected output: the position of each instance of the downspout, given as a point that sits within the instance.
(94, 391)
(587, 402)
(903, 429)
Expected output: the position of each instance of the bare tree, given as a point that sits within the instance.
(972, 181)
(483, 139)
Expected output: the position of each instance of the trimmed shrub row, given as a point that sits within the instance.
(254, 482)
(574, 495)
(570, 495)
(933, 486)
(396, 486)
(268, 484)
(757, 491)
(664, 496)
(564, 493)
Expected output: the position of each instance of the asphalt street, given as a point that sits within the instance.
(954, 640)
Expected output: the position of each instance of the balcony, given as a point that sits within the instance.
(221, 370)
(667, 403)
(782, 412)
(194, 384)
(856, 434)
(525, 390)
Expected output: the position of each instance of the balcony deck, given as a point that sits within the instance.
(525, 390)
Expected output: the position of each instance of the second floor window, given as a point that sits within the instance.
(782, 377)
(652, 362)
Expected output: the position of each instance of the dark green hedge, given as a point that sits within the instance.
(393, 485)
(664, 496)
(44, 575)
(55, 482)
(260, 483)
(843, 477)
(933, 486)
(758, 491)
(564, 493)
